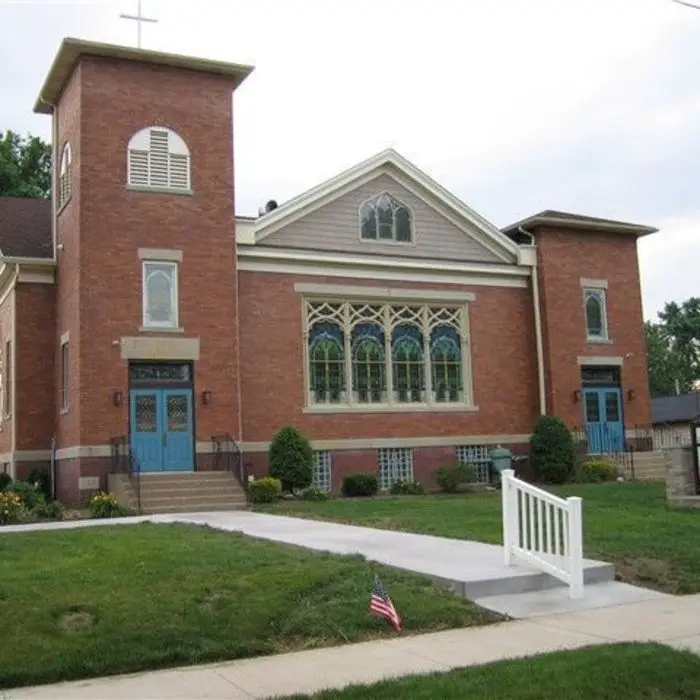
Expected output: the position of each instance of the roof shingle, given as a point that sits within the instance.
(25, 227)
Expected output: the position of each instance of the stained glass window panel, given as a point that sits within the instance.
(446, 364)
(160, 294)
(407, 364)
(327, 363)
(595, 313)
(402, 222)
(368, 221)
(146, 413)
(368, 363)
(177, 412)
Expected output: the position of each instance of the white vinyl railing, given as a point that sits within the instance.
(543, 530)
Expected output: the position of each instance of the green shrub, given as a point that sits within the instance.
(291, 459)
(50, 510)
(12, 509)
(40, 478)
(450, 477)
(106, 505)
(407, 488)
(597, 470)
(360, 485)
(5, 481)
(28, 493)
(313, 494)
(265, 490)
(552, 451)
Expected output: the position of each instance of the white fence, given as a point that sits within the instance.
(543, 530)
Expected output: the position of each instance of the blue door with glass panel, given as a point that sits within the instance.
(605, 430)
(161, 429)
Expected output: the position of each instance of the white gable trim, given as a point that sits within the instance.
(390, 162)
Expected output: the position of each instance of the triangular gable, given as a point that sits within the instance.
(390, 163)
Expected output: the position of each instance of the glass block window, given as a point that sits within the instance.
(395, 464)
(478, 457)
(322, 470)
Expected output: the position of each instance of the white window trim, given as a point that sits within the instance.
(390, 406)
(174, 296)
(141, 142)
(387, 241)
(65, 180)
(601, 294)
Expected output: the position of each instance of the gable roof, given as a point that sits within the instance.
(553, 217)
(25, 228)
(391, 162)
(675, 409)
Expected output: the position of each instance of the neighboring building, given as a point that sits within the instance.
(389, 322)
(671, 417)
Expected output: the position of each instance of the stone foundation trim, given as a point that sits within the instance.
(85, 451)
(379, 443)
(135, 348)
(26, 456)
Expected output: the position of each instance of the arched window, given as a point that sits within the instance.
(368, 363)
(158, 158)
(64, 176)
(327, 363)
(596, 321)
(407, 364)
(446, 364)
(160, 308)
(384, 218)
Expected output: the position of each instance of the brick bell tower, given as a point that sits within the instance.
(144, 229)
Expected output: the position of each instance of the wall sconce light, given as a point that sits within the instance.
(631, 394)
(206, 397)
(577, 395)
(118, 398)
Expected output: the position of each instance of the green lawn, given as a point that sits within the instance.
(632, 671)
(626, 524)
(98, 601)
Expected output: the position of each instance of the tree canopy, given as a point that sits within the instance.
(673, 348)
(25, 166)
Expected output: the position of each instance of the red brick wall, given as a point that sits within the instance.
(35, 372)
(503, 352)
(114, 100)
(564, 258)
(6, 313)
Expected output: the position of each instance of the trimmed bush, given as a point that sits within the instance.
(406, 488)
(5, 481)
(40, 478)
(291, 459)
(313, 494)
(50, 510)
(595, 471)
(450, 477)
(360, 485)
(552, 451)
(29, 495)
(266, 490)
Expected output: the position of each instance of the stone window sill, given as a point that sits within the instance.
(157, 329)
(158, 190)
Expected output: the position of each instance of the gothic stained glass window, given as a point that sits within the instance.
(407, 364)
(327, 363)
(160, 294)
(596, 322)
(446, 364)
(384, 218)
(368, 363)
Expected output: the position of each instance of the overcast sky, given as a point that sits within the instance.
(590, 106)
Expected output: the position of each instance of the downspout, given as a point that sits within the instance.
(13, 374)
(54, 186)
(538, 331)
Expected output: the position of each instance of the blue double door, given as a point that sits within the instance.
(605, 430)
(162, 435)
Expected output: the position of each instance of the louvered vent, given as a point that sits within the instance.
(158, 166)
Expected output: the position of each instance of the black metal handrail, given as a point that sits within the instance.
(124, 461)
(228, 456)
(135, 476)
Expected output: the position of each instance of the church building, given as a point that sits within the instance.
(395, 327)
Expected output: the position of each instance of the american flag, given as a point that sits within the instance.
(380, 604)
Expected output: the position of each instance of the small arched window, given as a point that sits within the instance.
(596, 314)
(158, 159)
(64, 176)
(384, 218)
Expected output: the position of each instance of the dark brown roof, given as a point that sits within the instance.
(25, 228)
(553, 216)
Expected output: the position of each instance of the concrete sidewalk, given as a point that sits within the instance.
(672, 620)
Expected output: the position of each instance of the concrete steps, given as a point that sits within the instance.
(189, 492)
(642, 466)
